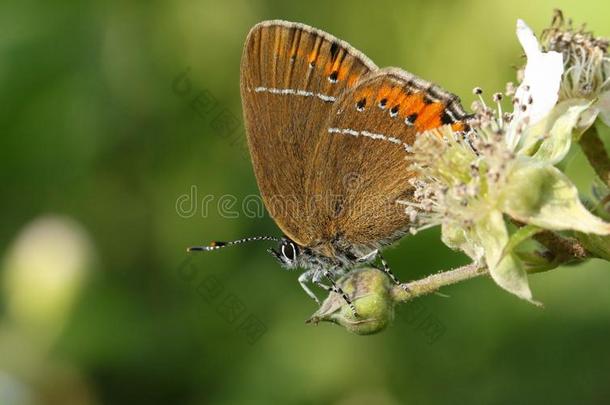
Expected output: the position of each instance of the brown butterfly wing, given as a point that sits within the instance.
(360, 161)
(291, 75)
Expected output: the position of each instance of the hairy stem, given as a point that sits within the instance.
(408, 291)
(563, 249)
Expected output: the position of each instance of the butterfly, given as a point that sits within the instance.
(328, 132)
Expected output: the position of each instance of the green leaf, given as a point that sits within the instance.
(521, 235)
(541, 195)
(533, 262)
(600, 201)
(550, 140)
(511, 275)
(493, 236)
(505, 270)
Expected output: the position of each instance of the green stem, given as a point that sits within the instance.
(594, 149)
(561, 249)
(408, 291)
(564, 250)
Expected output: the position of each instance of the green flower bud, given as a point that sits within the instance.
(370, 291)
(44, 271)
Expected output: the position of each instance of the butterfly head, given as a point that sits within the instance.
(288, 253)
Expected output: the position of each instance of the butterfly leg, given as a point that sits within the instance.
(384, 265)
(386, 269)
(334, 288)
(368, 257)
(304, 278)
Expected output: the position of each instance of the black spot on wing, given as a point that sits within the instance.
(334, 50)
(361, 104)
(411, 118)
(446, 118)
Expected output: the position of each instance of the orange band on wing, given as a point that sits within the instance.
(414, 103)
(458, 126)
(430, 117)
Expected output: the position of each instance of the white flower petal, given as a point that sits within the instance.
(526, 37)
(541, 79)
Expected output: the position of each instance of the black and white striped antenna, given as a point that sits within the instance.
(215, 245)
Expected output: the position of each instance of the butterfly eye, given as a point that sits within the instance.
(289, 251)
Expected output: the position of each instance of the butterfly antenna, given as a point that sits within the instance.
(215, 245)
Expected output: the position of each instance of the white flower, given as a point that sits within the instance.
(503, 167)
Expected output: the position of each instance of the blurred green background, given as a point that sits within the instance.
(99, 306)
